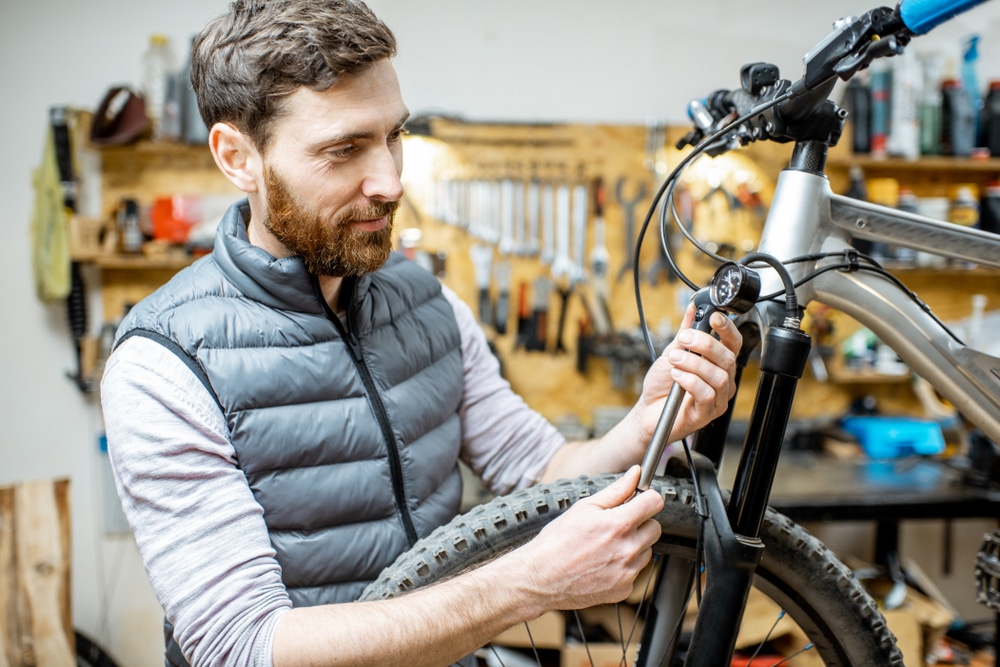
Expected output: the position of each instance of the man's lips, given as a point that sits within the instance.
(371, 225)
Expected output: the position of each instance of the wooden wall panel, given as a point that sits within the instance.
(35, 565)
(550, 382)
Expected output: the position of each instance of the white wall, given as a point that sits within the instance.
(590, 60)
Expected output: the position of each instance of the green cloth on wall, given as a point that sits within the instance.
(50, 228)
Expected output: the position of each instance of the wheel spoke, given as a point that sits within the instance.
(805, 648)
(777, 620)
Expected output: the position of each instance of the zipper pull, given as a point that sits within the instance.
(353, 343)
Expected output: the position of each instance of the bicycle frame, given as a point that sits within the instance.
(807, 218)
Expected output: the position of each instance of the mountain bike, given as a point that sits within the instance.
(717, 546)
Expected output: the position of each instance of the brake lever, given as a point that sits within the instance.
(851, 65)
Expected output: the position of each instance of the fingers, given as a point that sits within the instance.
(729, 335)
(709, 359)
(620, 494)
(618, 491)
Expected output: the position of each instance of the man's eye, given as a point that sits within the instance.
(341, 153)
(398, 134)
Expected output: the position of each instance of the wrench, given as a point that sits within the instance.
(531, 248)
(548, 225)
(562, 265)
(579, 232)
(506, 213)
(628, 205)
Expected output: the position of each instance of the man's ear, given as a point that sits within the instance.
(236, 155)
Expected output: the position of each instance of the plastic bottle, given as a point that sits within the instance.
(957, 128)
(970, 82)
(964, 207)
(157, 67)
(991, 119)
(130, 237)
(930, 107)
(904, 124)
(881, 85)
(858, 100)
(193, 129)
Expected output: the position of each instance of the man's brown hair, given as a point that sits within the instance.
(246, 62)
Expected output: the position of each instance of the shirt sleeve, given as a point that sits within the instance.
(199, 530)
(505, 442)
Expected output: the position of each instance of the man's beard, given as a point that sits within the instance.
(328, 247)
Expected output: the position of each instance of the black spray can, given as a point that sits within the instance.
(991, 119)
(858, 101)
(958, 127)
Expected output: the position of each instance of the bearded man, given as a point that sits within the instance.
(286, 415)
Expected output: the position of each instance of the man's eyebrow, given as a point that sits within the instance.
(354, 136)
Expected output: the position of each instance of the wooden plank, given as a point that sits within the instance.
(35, 569)
(8, 580)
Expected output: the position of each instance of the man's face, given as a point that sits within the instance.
(331, 174)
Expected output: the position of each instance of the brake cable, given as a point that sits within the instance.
(668, 184)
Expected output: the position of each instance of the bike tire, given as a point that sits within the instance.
(797, 571)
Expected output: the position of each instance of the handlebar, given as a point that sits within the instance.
(922, 16)
(766, 107)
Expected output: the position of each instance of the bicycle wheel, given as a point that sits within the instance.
(798, 573)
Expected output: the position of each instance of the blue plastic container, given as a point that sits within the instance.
(893, 437)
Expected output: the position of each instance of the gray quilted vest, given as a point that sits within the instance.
(347, 431)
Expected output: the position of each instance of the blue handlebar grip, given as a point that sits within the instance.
(922, 16)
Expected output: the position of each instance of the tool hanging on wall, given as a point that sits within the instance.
(523, 317)
(533, 201)
(548, 224)
(628, 206)
(537, 339)
(600, 264)
(719, 206)
(501, 275)
(482, 261)
(505, 209)
(76, 298)
(656, 163)
(562, 265)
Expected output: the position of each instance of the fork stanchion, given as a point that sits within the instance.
(783, 360)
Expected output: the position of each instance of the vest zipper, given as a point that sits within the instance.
(378, 407)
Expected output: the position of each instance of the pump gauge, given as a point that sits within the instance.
(735, 288)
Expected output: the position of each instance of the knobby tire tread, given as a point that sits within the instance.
(795, 563)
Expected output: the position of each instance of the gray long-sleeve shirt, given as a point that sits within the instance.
(199, 530)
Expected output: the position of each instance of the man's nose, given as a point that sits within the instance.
(382, 177)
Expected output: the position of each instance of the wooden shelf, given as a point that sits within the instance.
(142, 262)
(937, 163)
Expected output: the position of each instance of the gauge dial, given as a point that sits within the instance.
(735, 287)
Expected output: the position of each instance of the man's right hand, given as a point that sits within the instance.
(594, 552)
(590, 555)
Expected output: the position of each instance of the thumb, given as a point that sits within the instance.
(619, 491)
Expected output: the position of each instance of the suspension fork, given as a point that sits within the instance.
(732, 543)
(675, 576)
(732, 534)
